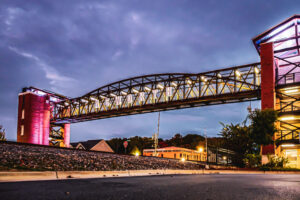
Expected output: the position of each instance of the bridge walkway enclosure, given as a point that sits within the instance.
(275, 80)
(280, 87)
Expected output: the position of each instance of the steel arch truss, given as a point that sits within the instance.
(157, 92)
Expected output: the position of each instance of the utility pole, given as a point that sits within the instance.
(155, 136)
(206, 148)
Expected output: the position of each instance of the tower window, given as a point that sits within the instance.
(23, 113)
(22, 130)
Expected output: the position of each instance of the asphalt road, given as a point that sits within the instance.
(159, 187)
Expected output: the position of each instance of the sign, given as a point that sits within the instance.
(125, 144)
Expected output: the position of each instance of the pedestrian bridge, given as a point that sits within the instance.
(158, 92)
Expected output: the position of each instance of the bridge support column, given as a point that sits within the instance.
(268, 95)
(33, 118)
(60, 135)
(67, 135)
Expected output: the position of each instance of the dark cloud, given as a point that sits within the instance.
(73, 47)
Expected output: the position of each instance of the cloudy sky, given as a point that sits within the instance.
(72, 47)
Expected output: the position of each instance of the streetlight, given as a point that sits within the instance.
(200, 149)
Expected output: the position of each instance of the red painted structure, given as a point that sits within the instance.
(33, 119)
(268, 95)
(67, 135)
(34, 113)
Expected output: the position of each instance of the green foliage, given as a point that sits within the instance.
(140, 142)
(117, 144)
(262, 126)
(252, 160)
(190, 141)
(246, 140)
(2, 134)
(237, 138)
(276, 162)
(176, 140)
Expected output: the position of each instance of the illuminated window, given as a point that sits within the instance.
(23, 113)
(22, 130)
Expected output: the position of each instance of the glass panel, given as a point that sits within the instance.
(282, 27)
(285, 34)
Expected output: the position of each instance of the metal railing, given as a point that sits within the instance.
(288, 78)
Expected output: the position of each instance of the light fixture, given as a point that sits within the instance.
(113, 95)
(137, 154)
(40, 93)
(135, 90)
(202, 78)
(256, 70)
(147, 89)
(200, 149)
(160, 86)
(174, 84)
(291, 91)
(103, 97)
(93, 99)
(288, 145)
(123, 93)
(287, 118)
(189, 81)
(182, 159)
(237, 73)
(84, 100)
(219, 75)
(66, 103)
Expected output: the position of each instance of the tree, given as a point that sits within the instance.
(246, 140)
(237, 138)
(176, 140)
(262, 126)
(2, 133)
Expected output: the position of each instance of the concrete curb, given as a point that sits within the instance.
(60, 175)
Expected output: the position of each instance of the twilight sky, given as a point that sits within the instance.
(72, 47)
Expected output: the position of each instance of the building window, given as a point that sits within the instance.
(175, 155)
(22, 130)
(180, 155)
(23, 113)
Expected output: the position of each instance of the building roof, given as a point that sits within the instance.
(90, 143)
(285, 36)
(86, 144)
(170, 148)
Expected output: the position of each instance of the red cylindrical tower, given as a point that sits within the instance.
(33, 118)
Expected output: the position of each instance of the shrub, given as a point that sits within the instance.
(252, 160)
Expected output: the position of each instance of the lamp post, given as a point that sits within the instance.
(200, 150)
(207, 165)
